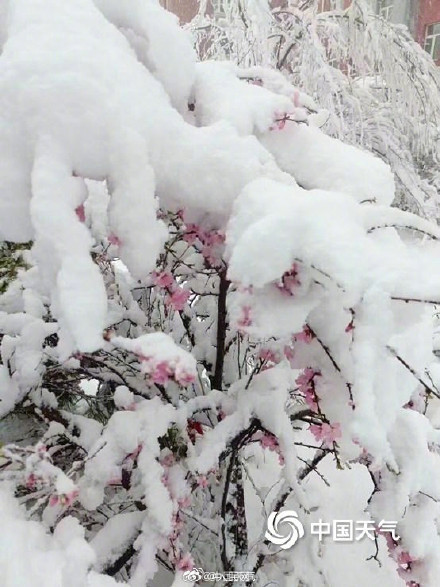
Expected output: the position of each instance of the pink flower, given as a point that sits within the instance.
(306, 386)
(114, 240)
(65, 499)
(190, 238)
(41, 449)
(289, 281)
(31, 481)
(310, 398)
(53, 500)
(211, 245)
(184, 378)
(326, 433)
(177, 523)
(178, 299)
(202, 481)
(289, 354)
(191, 234)
(404, 558)
(269, 441)
(161, 373)
(185, 563)
(245, 319)
(305, 379)
(163, 279)
(80, 212)
(184, 502)
(281, 123)
(306, 336)
(168, 460)
(267, 355)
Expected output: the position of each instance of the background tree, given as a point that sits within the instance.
(378, 86)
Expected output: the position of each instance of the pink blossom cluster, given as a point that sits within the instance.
(270, 442)
(280, 119)
(269, 358)
(211, 240)
(185, 563)
(182, 561)
(177, 296)
(402, 557)
(306, 335)
(162, 371)
(306, 386)
(36, 476)
(33, 481)
(114, 240)
(289, 281)
(326, 433)
(64, 499)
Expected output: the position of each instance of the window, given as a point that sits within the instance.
(432, 40)
(385, 8)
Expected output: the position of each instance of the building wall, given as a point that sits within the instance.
(185, 9)
(429, 13)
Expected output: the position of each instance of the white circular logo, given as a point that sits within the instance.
(286, 518)
(192, 576)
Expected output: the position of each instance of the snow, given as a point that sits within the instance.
(318, 161)
(115, 536)
(223, 96)
(65, 553)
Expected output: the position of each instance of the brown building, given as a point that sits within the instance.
(185, 9)
(427, 32)
(422, 17)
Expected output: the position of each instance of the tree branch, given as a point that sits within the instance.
(217, 380)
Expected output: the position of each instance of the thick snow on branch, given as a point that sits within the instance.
(29, 555)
